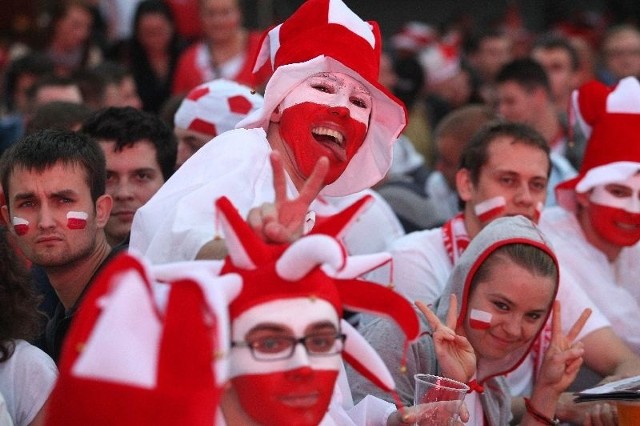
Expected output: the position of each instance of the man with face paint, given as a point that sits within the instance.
(54, 184)
(597, 228)
(323, 101)
(493, 181)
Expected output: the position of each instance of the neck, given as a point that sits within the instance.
(70, 280)
(608, 249)
(471, 222)
(548, 125)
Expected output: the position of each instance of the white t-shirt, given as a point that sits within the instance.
(26, 380)
(613, 286)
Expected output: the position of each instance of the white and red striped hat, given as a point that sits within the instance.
(216, 107)
(326, 36)
(414, 36)
(610, 119)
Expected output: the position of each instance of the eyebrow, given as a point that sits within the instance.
(269, 327)
(320, 325)
(511, 303)
(65, 193)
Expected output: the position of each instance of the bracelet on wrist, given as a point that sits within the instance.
(538, 416)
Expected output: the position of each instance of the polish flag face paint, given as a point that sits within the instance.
(479, 320)
(20, 225)
(538, 212)
(77, 220)
(490, 209)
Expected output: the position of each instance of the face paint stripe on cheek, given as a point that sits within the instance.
(77, 220)
(20, 225)
(479, 319)
(490, 209)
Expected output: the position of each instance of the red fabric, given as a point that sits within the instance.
(188, 75)
(187, 17)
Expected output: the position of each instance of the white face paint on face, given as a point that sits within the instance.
(333, 90)
(623, 195)
(293, 317)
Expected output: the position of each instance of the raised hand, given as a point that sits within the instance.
(283, 221)
(563, 358)
(455, 354)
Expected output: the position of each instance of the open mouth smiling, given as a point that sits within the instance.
(332, 139)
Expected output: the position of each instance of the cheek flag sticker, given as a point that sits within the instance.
(480, 320)
(20, 225)
(490, 209)
(77, 220)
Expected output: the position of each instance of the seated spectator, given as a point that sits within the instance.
(27, 374)
(209, 110)
(619, 54)
(140, 152)
(488, 328)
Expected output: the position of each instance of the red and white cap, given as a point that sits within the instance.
(440, 61)
(414, 36)
(316, 267)
(326, 36)
(216, 107)
(610, 119)
(126, 355)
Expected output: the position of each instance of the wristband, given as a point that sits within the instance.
(538, 416)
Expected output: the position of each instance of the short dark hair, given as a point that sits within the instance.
(474, 155)
(127, 125)
(551, 41)
(45, 148)
(526, 72)
(57, 115)
(35, 63)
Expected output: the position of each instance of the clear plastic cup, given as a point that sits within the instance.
(440, 398)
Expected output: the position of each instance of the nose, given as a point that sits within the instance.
(122, 190)
(46, 219)
(340, 111)
(300, 358)
(523, 195)
(513, 326)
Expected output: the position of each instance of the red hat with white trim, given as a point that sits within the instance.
(315, 267)
(216, 107)
(326, 36)
(129, 360)
(610, 119)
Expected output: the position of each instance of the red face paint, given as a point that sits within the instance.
(479, 319)
(615, 225)
(313, 130)
(490, 209)
(77, 220)
(297, 397)
(20, 225)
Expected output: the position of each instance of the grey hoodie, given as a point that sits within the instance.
(388, 340)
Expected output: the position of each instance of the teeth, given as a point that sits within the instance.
(323, 131)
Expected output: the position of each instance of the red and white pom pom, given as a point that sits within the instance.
(77, 220)
(479, 319)
(20, 225)
(490, 209)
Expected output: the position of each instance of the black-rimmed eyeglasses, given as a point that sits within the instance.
(274, 348)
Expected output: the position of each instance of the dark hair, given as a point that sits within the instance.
(471, 44)
(551, 41)
(532, 258)
(526, 72)
(57, 115)
(127, 125)
(19, 315)
(35, 63)
(93, 82)
(45, 148)
(49, 80)
(474, 154)
(58, 12)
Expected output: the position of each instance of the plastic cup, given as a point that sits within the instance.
(439, 397)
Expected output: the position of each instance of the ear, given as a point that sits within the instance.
(464, 185)
(104, 203)
(583, 198)
(5, 214)
(276, 115)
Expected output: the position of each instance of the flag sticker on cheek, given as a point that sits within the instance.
(20, 225)
(77, 220)
(490, 209)
(479, 319)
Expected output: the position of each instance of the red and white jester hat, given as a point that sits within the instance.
(317, 267)
(326, 36)
(128, 360)
(610, 119)
(216, 107)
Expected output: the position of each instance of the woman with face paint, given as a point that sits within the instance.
(499, 296)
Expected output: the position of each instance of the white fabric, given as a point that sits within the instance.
(26, 380)
(613, 286)
(180, 218)
(5, 418)
(561, 170)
